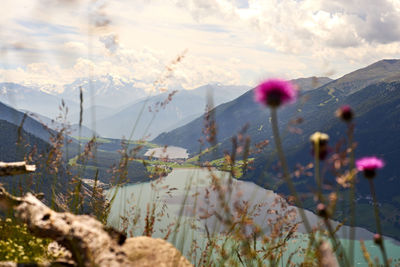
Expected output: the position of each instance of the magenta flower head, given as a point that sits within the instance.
(345, 113)
(275, 92)
(322, 211)
(378, 239)
(368, 165)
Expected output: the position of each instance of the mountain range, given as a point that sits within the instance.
(165, 111)
(28, 137)
(33, 99)
(111, 105)
(56, 125)
(231, 117)
(314, 106)
(374, 94)
(105, 90)
(27, 123)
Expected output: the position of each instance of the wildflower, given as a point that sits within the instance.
(322, 210)
(377, 239)
(320, 140)
(368, 165)
(345, 113)
(275, 92)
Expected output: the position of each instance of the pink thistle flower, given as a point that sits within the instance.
(368, 165)
(345, 113)
(378, 239)
(275, 92)
(322, 210)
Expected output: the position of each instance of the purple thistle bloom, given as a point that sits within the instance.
(275, 92)
(345, 113)
(368, 165)
(377, 239)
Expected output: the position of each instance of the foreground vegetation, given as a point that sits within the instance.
(115, 163)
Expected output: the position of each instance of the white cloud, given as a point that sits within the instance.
(110, 42)
(292, 25)
(136, 40)
(144, 65)
(205, 8)
(76, 46)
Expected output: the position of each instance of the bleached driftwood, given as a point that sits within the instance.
(83, 236)
(14, 168)
(88, 240)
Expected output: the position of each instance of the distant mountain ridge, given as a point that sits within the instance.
(73, 130)
(17, 144)
(33, 99)
(23, 122)
(104, 90)
(374, 94)
(154, 117)
(28, 124)
(231, 117)
(111, 104)
(311, 83)
(24, 136)
(383, 70)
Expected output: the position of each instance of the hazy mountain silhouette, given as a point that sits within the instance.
(159, 113)
(374, 94)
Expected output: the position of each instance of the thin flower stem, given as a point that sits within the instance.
(352, 193)
(286, 176)
(340, 254)
(317, 171)
(378, 222)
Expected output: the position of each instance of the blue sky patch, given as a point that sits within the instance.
(206, 27)
(45, 29)
(242, 3)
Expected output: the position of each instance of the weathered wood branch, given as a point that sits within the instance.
(89, 241)
(84, 236)
(14, 168)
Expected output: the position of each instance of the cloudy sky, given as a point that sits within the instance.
(53, 42)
